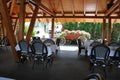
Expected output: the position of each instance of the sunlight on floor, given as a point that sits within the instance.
(69, 48)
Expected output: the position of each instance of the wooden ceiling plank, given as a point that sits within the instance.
(84, 4)
(62, 9)
(42, 7)
(97, 1)
(8, 26)
(50, 5)
(113, 8)
(73, 11)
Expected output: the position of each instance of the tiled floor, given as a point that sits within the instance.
(67, 65)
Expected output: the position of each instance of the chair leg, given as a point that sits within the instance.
(79, 51)
(49, 61)
(86, 53)
(104, 68)
(35, 62)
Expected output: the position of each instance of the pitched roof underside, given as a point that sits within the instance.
(67, 10)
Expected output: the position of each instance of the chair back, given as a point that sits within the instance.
(95, 76)
(24, 46)
(39, 48)
(36, 39)
(95, 43)
(5, 41)
(49, 41)
(114, 44)
(117, 54)
(100, 52)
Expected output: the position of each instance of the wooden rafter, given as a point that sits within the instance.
(42, 7)
(97, 1)
(73, 11)
(31, 7)
(62, 9)
(84, 4)
(113, 8)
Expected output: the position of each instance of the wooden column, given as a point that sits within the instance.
(21, 20)
(52, 27)
(32, 24)
(15, 27)
(109, 31)
(7, 24)
(103, 28)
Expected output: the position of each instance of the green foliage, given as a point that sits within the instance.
(115, 32)
(26, 30)
(95, 29)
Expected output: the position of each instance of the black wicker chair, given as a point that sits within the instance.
(99, 57)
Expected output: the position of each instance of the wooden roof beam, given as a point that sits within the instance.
(113, 8)
(12, 6)
(21, 20)
(42, 7)
(32, 24)
(7, 24)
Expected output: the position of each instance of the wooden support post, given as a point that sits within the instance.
(109, 31)
(103, 28)
(7, 24)
(15, 26)
(32, 24)
(21, 20)
(52, 27)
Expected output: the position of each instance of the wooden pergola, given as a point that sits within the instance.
(20, 11)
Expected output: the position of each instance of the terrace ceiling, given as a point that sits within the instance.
(67, 10)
